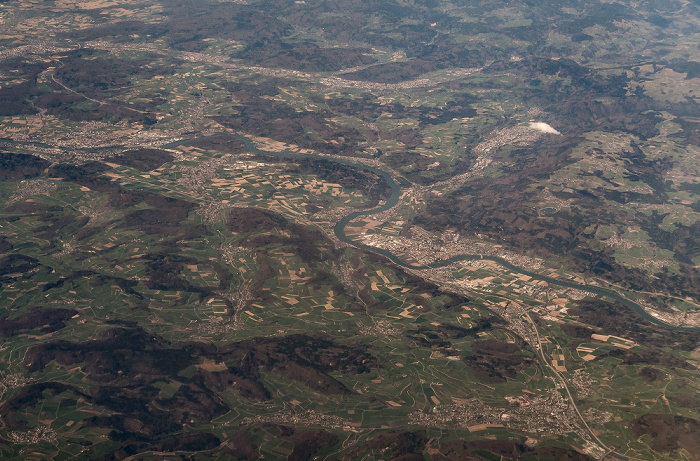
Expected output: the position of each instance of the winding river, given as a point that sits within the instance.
(339, 231)
(339, 228)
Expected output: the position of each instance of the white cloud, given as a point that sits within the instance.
(544, 127)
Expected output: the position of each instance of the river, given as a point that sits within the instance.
(339, 228)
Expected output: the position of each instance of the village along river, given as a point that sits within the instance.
(339, 231)
(339, 228)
